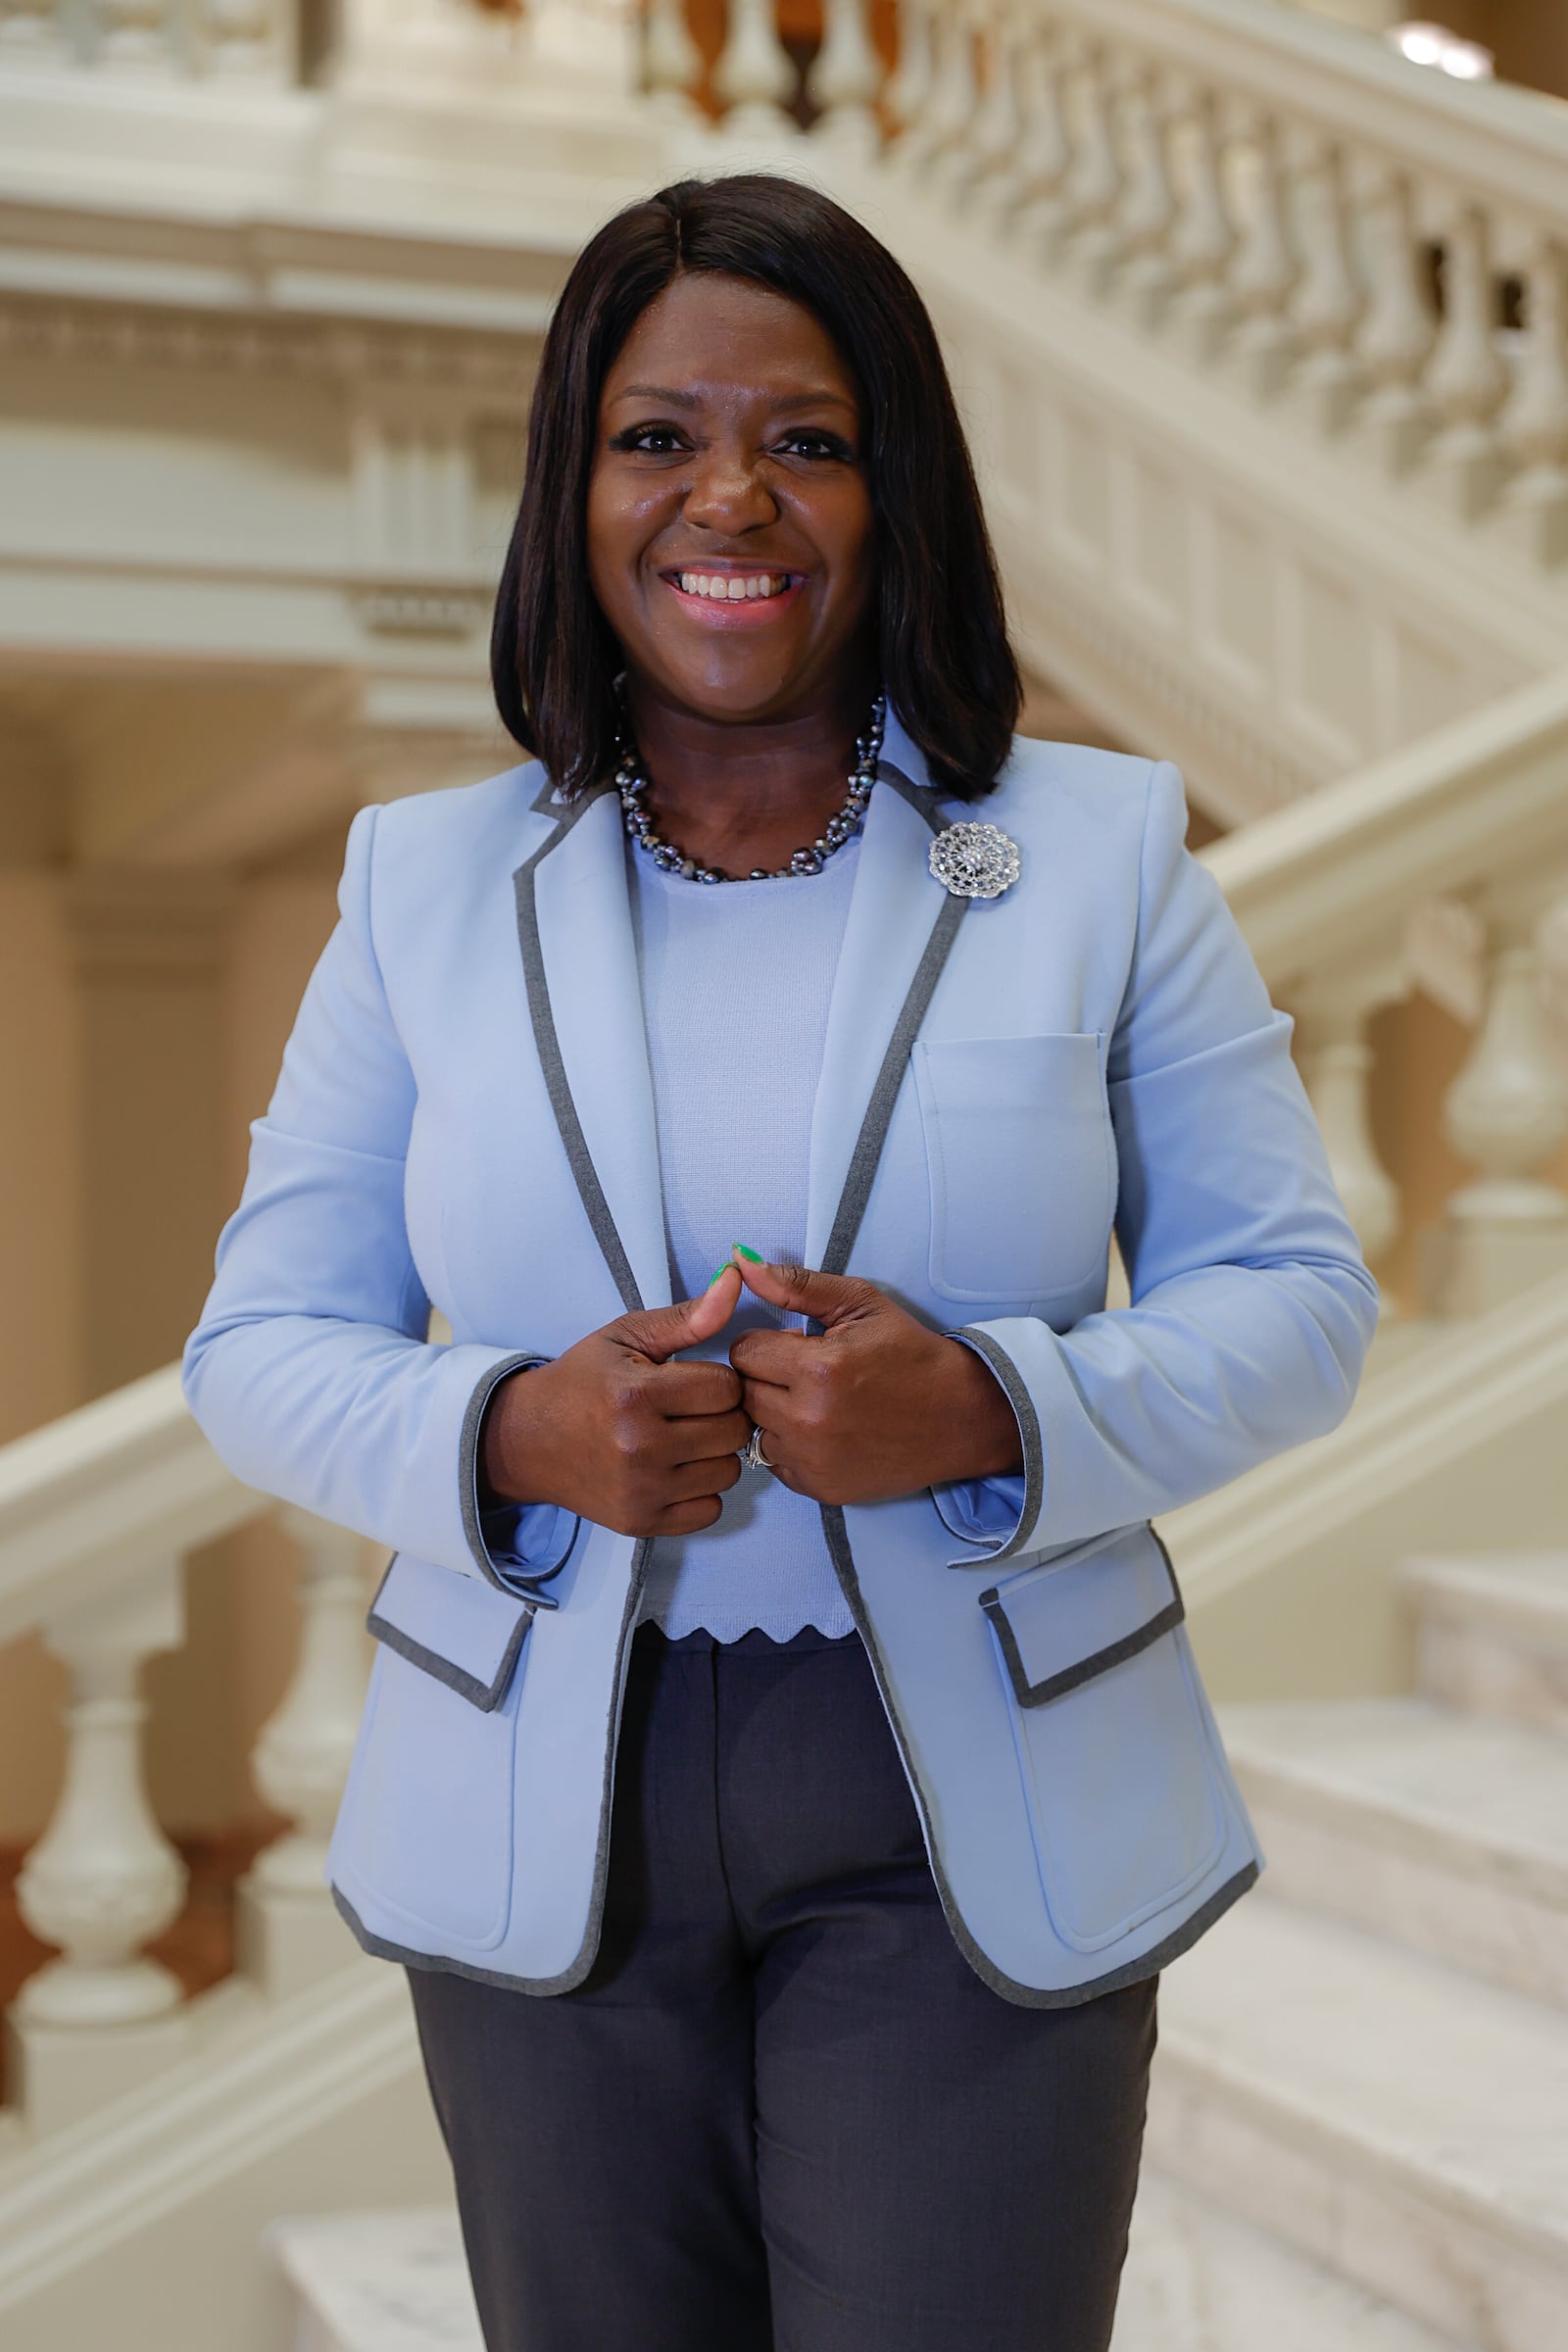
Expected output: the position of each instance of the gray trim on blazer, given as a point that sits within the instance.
(1026, 1997)
(486, 1697)
(1034, 1452)
(1083, 1670)
(468, 1467)
(863, 1159)
(585, 1174)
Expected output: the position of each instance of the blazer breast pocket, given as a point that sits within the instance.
(1022, 1172)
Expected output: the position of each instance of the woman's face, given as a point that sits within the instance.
(730, 533)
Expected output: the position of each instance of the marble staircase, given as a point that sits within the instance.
(1358, 2125)
(1366, 2063)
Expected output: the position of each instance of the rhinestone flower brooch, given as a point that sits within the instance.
(974, 861)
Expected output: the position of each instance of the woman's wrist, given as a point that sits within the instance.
(988, 1443)
(503, 1446)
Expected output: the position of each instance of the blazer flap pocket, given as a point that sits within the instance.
(467, 1634)
(1063, 1624)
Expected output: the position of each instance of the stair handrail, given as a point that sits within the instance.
(1337, 874)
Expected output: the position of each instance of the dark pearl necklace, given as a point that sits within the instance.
(840, 827)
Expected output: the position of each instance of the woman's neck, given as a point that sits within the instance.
(741, 795)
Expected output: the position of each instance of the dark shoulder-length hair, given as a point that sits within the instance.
(943, 647)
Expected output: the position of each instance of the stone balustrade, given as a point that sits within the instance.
(98, 1513)
(1282, 198)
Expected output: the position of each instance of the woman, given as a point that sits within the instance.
(784, 1772)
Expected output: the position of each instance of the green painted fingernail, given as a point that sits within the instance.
(753, 1257)
(728, 1267)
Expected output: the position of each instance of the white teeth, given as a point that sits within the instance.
(734, 587)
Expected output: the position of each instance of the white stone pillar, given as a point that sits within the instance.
(1535, 419)
(843, 80)
(1147, 277)
(289, 1931)
(1094, 184)
(1398, 326)
(1328, 299)
(1466, 381)
(1336, 1064)
(103, 1880)
(754, 74)
(1506, 1113)
(672, 63)
(1264, 270)
(1204, 237)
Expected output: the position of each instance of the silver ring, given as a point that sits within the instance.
(753, 1458)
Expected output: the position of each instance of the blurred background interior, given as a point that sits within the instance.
(1259, 318)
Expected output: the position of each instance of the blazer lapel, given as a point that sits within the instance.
(900, 927)
(579, 962)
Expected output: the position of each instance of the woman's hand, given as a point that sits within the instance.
(878, 1406)
(615, 1432)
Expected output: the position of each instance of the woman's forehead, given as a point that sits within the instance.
(706, 331)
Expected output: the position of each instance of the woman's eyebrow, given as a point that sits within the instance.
(672, 398)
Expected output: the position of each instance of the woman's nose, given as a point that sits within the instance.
(729, 491)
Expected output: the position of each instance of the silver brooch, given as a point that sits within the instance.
(974, 861)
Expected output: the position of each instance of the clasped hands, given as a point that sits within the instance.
(619, 1430)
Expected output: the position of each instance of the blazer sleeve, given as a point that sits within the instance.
(1251, 1306)
(310, 1370)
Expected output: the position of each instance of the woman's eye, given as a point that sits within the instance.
(657, 440)
(815, 445)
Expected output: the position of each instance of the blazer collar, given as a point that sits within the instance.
(579, 962)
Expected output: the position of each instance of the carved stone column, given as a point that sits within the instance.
(1336, 1062)
(1507, 1113)
(103, 1880)
(289, 1930)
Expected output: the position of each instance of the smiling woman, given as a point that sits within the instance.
(783, 1903)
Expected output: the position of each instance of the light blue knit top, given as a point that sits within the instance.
(736, 978)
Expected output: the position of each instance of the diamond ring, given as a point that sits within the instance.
(753, 1458)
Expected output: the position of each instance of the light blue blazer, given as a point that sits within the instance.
(465, 1117)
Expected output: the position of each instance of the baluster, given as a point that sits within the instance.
(753, 74)
(1466, 381)
(134, 35)
(104, 1879)
(1263, 271)
(1094, 183)
(843, 80)
(289, 1930)
(944, 124)
(1203, 239)
(997, 132)
(29, 31)
(240, 38)
(1534, 421)
(1039, 221)
(1328, 301)
(1147, 213)
(1507, 1113)
(672, 63)
(1398, 326)
(1336, 1064)
(909, 90)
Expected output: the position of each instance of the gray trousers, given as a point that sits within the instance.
(782, 2114)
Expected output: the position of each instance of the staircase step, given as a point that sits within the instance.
(389, 2282)
(1493, 1634)
(1393, 2118)
(1443, 1831)
(1200, 2280)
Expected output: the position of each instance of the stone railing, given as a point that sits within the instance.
(1265, 191)
(98, 1513)
(1463, 836)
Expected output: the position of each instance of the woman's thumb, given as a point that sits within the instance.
(661, 1332)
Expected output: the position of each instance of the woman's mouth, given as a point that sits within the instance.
(735, 596)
